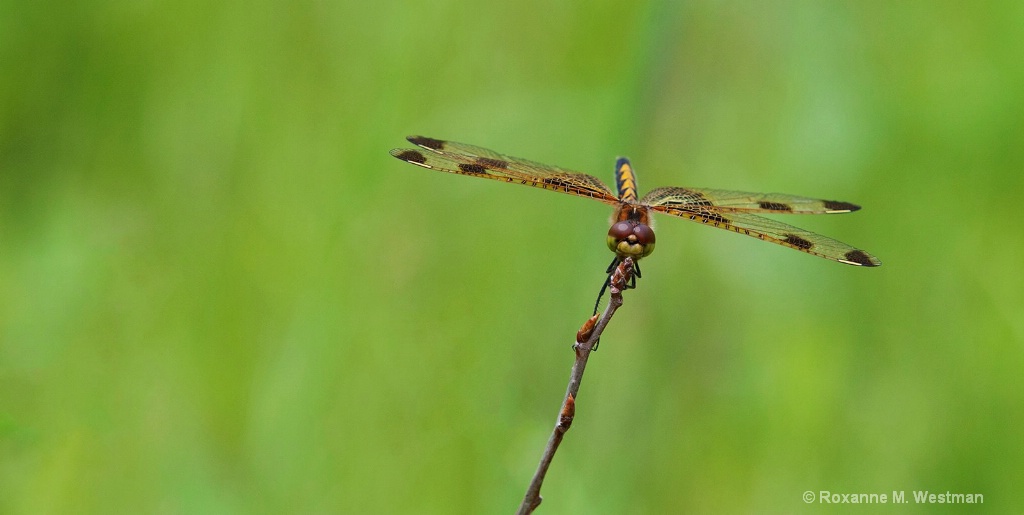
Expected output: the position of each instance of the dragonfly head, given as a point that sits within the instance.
(631, 238)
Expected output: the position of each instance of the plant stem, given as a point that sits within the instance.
(586, 341)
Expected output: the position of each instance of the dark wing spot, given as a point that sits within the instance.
(835, 205)
(775, 206)
(430, 143)
(798, 242)
(471, 168)
(492, 163)
(412, 156)
(861, 258)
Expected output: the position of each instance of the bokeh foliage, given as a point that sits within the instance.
(221, 295)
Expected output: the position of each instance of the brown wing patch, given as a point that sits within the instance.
(774, 206)
(492, 163)
(798, 242)
(412, 156)
(862, 258)
(837, 206)
(430, 143)
(472, 168)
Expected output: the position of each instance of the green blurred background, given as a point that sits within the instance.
(221, 295)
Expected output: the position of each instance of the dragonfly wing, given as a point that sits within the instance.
(726, 201)
(775, 232)
(463, 159)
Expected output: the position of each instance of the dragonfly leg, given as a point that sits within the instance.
(634, 276)
(611, 267)
(607, 283)
(608, 280)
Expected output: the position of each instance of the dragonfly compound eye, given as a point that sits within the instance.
(644, 234)
(620, 230)
(629, 238)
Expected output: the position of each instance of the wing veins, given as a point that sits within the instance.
(775, 232)
(727, 201)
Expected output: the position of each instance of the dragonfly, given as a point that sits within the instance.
(631, 234)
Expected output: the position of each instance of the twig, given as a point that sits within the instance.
(586, 341)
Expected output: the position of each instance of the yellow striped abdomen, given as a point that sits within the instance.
(625, 180)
